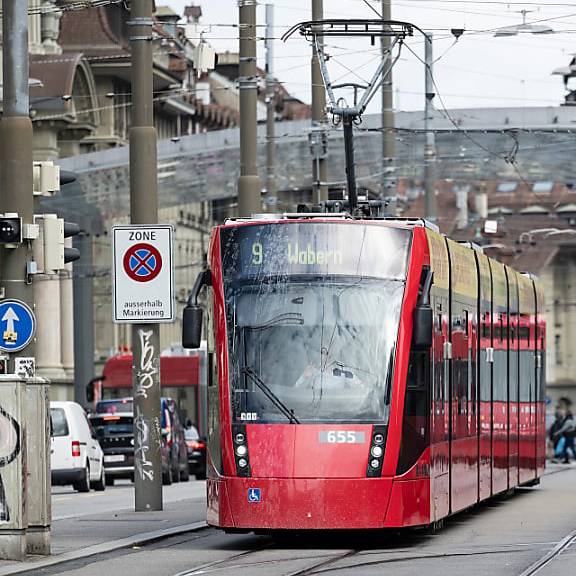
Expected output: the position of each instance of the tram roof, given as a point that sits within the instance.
(306, 217)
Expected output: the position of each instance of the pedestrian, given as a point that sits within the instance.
(567, 431)
(556, 425)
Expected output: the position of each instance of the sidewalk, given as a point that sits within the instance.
(85, 536)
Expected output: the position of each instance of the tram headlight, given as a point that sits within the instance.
(375, 463)
(242, 463)
(241, 450)
(239, 438)
(378, 439)
(376, 451)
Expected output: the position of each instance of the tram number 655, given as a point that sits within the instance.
(341, 437)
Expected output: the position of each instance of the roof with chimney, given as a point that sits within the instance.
(532, 223)
(193, 12)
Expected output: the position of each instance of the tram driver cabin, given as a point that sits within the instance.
(364, 374)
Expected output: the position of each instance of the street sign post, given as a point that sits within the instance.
(17, 325)
(143, 274)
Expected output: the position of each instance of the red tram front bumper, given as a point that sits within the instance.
(309, 504)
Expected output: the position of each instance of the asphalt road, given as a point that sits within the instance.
(500, 538)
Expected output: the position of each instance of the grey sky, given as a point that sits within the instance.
(478, 70)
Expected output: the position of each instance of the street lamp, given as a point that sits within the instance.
(524, 28)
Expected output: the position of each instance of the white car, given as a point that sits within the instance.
(76, 457)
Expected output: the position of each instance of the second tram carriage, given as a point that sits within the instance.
(364, 374)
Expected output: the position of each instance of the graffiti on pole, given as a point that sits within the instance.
(147, 369)
(9, 450)
(142, 449)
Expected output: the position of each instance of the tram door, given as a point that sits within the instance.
(440, 360)
(440, 456)
(463, 334)
(484, 370)
(499, 378)
(540, 365)
(527, 380)
(513, 380)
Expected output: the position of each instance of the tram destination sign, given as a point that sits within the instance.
(143, 286)
(314, 248)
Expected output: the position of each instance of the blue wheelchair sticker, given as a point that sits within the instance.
(254, 495)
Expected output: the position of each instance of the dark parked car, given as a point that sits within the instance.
(113, 424)
(196, 453)
(174, 453)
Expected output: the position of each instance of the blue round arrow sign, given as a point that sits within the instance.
(17, 325)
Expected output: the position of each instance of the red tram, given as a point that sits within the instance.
(364, 374)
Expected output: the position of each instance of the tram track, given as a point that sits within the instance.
(216, 564)
(547, 559)
(230, 563)
(327, 563)
(323, 565)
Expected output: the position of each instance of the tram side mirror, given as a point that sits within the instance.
(422, 328)
(192, 315)
(192, 326)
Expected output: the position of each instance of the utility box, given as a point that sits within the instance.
(39, 501)
(13, 468)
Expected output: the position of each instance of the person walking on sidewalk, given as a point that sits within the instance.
(553, 439)
(568, 431)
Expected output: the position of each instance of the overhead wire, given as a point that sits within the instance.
(73, 6)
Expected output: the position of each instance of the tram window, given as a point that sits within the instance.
(418, 371)
(212, 372)
(486, 326)
(523, 329)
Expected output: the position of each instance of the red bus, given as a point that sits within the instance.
(364, 374)
(182, 378)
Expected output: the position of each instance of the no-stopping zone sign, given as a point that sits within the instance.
(143, 287)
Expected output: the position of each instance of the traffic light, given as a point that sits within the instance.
(47, 179)
(10, 229)
(51, 254)
(71, 254)
(70, 228)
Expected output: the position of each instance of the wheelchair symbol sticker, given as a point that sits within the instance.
(254, 495)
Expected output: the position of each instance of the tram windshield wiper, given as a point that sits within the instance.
(270, 395)
(285, 319)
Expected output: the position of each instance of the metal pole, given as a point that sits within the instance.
(430, 146)
(319, 160)
(270, 106)
(388, 142)
(348, 124)
(83, 302)
(16, 129)
(144, 210)
(249, 183)
(15, 197)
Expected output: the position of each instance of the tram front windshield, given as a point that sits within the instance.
(312, 314)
